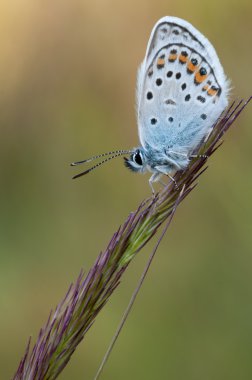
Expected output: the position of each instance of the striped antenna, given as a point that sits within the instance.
(100, 155)
(116, 154)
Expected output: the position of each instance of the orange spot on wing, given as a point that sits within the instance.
(182, 58)
(211, 91)
(173, 57)
(191, 66)
(160, 62)
(200, 78)
(205, 88)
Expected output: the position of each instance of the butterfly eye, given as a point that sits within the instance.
(137, 158)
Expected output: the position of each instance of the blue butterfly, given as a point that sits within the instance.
(181, 92)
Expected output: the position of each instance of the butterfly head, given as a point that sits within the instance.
(137, 162)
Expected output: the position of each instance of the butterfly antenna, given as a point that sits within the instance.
(117, 154)
(99, 156)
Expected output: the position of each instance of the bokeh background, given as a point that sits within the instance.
(67, 74)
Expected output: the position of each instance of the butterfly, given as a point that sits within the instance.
(181, 92)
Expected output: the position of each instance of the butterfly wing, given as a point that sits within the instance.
(181, 90)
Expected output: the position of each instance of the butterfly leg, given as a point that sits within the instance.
(173, 180)
(154, 178)
(163, 170)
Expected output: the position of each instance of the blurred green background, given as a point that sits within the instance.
(67, 73)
